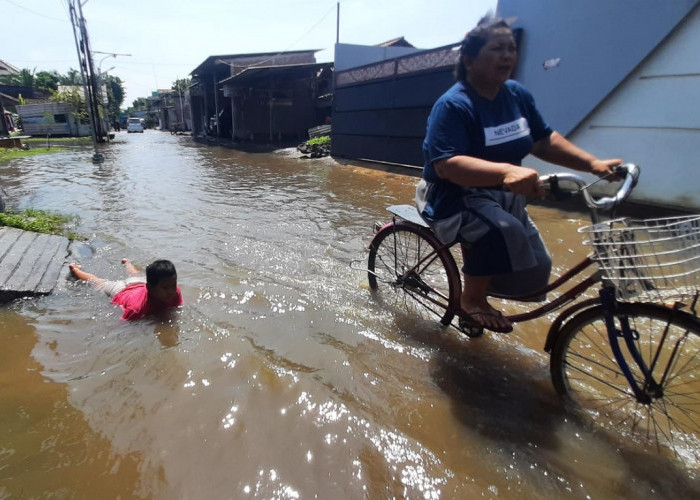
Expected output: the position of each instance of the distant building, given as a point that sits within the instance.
(52, 118)
(43, 116)
(263, 97)
(7, 69)
(171, 109)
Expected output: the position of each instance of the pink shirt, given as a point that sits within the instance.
(135, 305)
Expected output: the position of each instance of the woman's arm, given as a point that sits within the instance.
(557, 149)
(469, 171)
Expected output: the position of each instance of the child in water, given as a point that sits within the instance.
(138, 296)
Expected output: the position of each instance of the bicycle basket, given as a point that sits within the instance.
(652, 260)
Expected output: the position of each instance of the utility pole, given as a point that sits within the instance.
(87, 73)
(182, 109)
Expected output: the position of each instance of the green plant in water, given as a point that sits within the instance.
(320, 141)
(40, 221)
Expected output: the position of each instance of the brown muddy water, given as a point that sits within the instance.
(281, 377)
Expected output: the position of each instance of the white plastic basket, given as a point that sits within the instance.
(652, 260)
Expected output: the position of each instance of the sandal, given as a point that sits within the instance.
(470, 320)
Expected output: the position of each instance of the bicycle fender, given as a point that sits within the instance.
(566, 315)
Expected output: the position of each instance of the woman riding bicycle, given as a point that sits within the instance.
(474, 189)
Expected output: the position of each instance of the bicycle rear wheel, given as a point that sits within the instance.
(665, 416)
(413, 271)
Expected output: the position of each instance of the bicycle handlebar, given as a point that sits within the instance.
(628, 171)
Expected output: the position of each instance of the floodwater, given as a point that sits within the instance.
(281, 377)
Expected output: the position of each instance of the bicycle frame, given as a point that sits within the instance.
(651, 389)
(607, 298)
(564, 299)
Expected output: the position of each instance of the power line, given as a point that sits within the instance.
(34, 12)
(290, 45)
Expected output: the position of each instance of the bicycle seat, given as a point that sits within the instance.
(407, 212)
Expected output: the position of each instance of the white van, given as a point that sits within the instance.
(134, 125)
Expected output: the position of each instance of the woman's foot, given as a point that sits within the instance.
(485, 316)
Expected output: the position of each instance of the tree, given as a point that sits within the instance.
(47, 80)
(115, 95)
(72, 77)
(181, 84)
(140, 104)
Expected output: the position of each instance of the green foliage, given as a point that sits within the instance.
(25, 78)
(47, 80)
(140, 104)
(39, 221)
(316, 147)
(324, 140)
(115, 95)
(11, 153)
(181, 84)
(71, 78)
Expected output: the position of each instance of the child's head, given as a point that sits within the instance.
(161, 281)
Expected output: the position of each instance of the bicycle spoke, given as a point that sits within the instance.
(411, 273)
(664, 413)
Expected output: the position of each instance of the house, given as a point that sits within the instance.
(621, 79)
(7, 69)
(262, 97)
(52, 118)
(43, 116)
(172, 109)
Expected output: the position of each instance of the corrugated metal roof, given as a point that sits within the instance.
(396, 42)
(211, 61)
(7, 68)
(258, 72)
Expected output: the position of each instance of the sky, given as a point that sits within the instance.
(157, 42)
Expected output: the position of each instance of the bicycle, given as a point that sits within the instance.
(626, 359)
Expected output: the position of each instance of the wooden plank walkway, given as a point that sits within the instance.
(30, 263)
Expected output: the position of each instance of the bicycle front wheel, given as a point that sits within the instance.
(666, 344)
(413, 271)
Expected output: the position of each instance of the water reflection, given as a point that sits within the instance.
(281, 377)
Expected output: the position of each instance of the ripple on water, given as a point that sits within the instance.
(281, 374)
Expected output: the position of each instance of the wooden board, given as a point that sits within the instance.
(30, 263)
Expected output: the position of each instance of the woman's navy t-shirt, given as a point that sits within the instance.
(464, 123)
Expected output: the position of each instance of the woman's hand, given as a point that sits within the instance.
(523, 180)
(603, 168)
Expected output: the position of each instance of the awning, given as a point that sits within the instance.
(284, 72)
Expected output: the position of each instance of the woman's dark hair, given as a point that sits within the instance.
(475, 39)
(158, 270)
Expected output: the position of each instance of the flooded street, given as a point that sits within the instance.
(280, 377)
